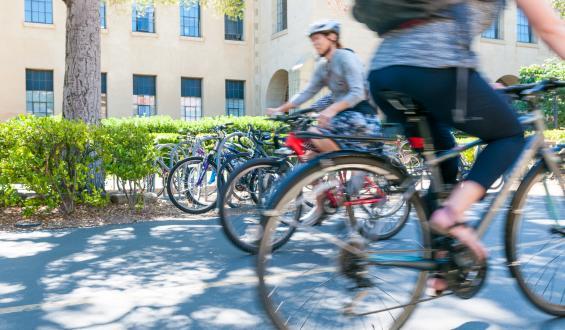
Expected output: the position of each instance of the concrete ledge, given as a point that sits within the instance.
(39, 25)
(121, 199)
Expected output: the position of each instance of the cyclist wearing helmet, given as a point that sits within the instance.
(342, 72)
(421, 60)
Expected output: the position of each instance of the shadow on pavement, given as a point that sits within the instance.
(163, 275)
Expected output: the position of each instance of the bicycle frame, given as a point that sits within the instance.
(535, 144)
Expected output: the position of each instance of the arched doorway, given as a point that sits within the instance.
(277, 92)
(508, 80)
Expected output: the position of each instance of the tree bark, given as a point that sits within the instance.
(81, 91)
(82, 86)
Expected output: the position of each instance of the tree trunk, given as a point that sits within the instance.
(82, 86)
(81, 91)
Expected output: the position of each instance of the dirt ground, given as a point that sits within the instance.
(85, 216)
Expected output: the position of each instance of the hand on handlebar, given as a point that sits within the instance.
(325, 117)
(497, 85)
(274, 112)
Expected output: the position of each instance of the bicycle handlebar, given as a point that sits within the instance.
(294, 116)
(533, 88)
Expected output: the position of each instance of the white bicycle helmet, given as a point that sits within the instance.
(324, 27)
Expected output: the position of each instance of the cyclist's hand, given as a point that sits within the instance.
(497, 85)
(274, 112)
(325, 118)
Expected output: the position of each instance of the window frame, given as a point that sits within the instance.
(230, 100)
(498, 25)
(103, 95)
(239, 26)
(33, 16)
(189, 98)
(520, 27)
(40, 92)
(152, 93)
(103, 15)
(184, 9)
(150, 21)
(281, 15)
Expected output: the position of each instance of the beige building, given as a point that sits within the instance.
(192, 62)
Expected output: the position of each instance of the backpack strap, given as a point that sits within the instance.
(464, 36)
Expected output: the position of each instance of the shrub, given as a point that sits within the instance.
(551, 68)
(128, 152)
(50, 157)
(165, 124)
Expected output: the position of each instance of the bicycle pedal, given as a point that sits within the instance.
(466, 276)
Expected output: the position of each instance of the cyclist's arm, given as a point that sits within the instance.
(354, 74)
(546, 23)
(316, 84)
(323, 102)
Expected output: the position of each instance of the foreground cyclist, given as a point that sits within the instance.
(405, 63)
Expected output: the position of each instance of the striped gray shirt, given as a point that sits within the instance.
(435, 44)
(344, 75)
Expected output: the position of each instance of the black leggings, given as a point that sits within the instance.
(435, 91)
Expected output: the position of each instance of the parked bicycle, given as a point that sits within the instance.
(193, 183)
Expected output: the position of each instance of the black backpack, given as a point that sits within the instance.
(383, 16)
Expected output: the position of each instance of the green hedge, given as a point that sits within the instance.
(167, 125)
(59, 160)
(50, 157)
(53, 157)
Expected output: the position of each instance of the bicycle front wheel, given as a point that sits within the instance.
(326, 276)
(241, 202)
(192, 185)
(535, 239)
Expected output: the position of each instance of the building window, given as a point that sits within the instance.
(39, 11)
(144, 96)
(190, 20)
(104, 96)
(143, 18)
(235, 98)
(281, 15)
(233, 28)
(495, 30)
(39, 92)
(191, 98)
(103, 14)
(525, 32)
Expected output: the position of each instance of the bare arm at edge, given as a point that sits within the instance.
(547, 24)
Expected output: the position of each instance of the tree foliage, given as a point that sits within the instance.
(550, 69)
(560, 6)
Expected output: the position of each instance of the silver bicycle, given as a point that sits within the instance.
(331, 276)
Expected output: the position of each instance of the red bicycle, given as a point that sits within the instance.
(249, 186)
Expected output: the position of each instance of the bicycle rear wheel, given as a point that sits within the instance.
(535, 239)
(323, 277)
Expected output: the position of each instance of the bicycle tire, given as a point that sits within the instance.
(172, 194)
(305, 275)
(516, 220)
(230, 213)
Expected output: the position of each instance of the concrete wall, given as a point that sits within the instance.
(170, 56)
(505, 57)
(124, 53)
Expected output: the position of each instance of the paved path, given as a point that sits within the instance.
(186, 275)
